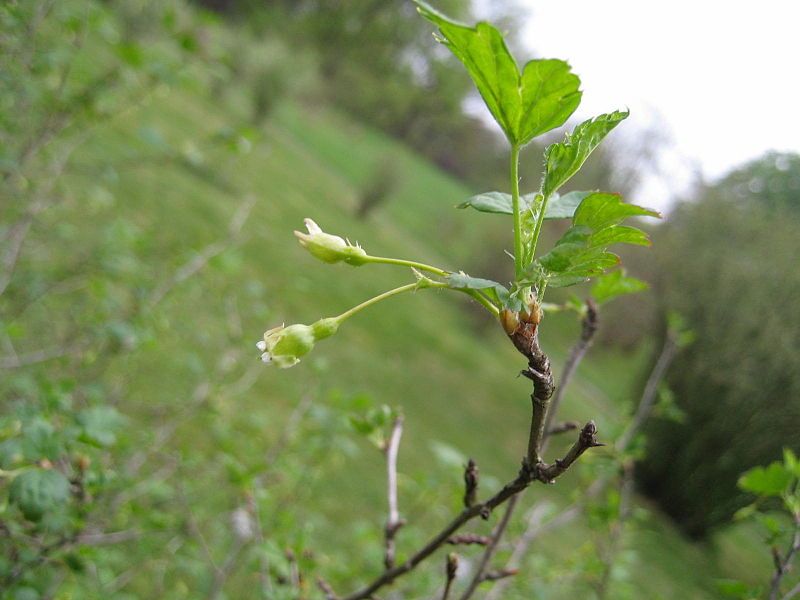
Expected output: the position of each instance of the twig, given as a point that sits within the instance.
(544, 417)
(578, 351)
(648, 399)
(202, 258)
(467, 539)
(784, 563)
(222, 573)
(470, 483)
(394, 522)
(451, 566)
(792, 593)
(499, 574)
(480, 572)
(534, 528)
(525, 477)
(326, 589)
(15, 361)
(615, 536)
(563, 428)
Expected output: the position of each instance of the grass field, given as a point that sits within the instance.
(450, 370)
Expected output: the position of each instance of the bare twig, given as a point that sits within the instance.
(467, 539)
(499, 530)
(525, 477)
(534, 528)
(543, 419)
(563, 427)
(499, 574)
(578, 351)
(792, 593)
(202, 258)
(615, 536)
(394, 522)
(668, 351)
(451, 566)
(470, 483)
(783, 564)
(326, 589)
(15, 361)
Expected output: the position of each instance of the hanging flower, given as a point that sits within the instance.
(283, 346)
(330, 248)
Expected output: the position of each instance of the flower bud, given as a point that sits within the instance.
(284, 346)
(509, 320)
(329, 248)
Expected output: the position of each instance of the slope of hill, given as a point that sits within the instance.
(452, 373)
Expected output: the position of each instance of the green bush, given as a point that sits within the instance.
(729, 264)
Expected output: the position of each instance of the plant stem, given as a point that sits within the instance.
(480, 298)
(398, 290)
(538, 228)
(407, 263)
(518, 258)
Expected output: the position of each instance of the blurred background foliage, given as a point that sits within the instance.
(155, 157)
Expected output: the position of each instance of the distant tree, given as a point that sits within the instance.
(729, 264)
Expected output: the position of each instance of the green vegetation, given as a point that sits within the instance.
(736, 285)
(127, 327)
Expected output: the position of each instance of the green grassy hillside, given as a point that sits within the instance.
(451, 372)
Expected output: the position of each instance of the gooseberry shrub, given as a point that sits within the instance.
(526, 103)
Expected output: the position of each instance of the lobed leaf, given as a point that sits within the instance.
(772, 480)
(525, 104)
(581, 253)
(563, 159)
(614, 284)
(559, 207)
(600, 210)
(461, 281)
(38, 491)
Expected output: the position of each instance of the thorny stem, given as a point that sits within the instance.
(578, 351)
(525, 477)
(518, 258)
(588, 329)
(538, 228)
(394, 522)
(534, 528)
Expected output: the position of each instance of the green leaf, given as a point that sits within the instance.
(491, 202)
(563, 159)
(766, 481)
(563, 207)
(461, 281)
(581, 253)
(549, 94)
(99, 425)
(525, 104)
(601, 210)
(791, 462)
(615, 284)
(38, 491)
(559, 207)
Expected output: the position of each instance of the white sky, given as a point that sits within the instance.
(721, 77)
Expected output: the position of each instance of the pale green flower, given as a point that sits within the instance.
(284, 346)
(329, 248)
